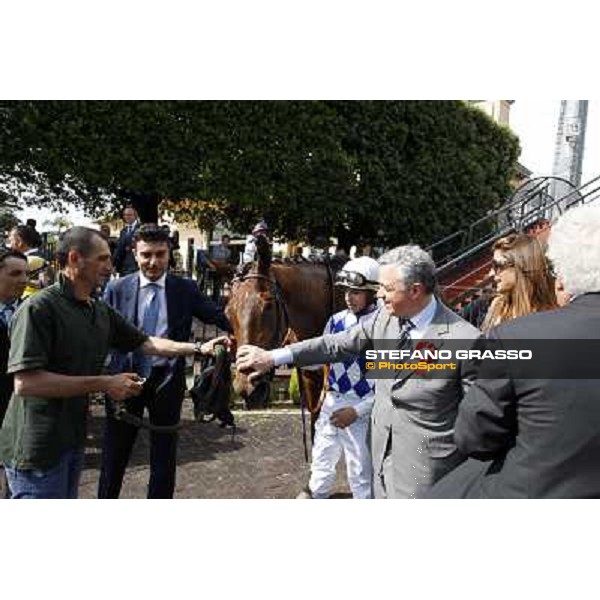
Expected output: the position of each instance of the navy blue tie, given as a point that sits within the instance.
(405, 326)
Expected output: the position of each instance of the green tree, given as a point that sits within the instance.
(384, 172)
(94, 154)
(8, 219)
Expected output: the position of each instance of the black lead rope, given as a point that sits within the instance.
(126, 417)
(141, 423)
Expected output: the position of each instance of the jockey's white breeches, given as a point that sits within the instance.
(330, 442)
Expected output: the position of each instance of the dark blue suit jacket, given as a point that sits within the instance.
(123, 259)
(184, 301)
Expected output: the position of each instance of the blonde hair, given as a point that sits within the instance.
(534, 285)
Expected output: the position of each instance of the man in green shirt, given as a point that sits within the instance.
(59, 341)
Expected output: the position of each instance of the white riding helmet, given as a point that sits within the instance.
(260, 226)
(361, 273)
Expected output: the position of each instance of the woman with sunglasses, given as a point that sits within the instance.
(523, 280)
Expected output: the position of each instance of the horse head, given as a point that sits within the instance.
(257, 313)
(272, 304)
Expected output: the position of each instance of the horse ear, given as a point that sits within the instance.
(263, 249)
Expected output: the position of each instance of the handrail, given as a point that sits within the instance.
(584, 194)
(528, 215)
(491, 216)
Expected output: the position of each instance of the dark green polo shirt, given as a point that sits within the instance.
(54, 331)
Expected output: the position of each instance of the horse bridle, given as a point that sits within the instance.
(277, 340)
(276, 291)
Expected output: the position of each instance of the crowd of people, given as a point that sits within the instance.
(469, 437)
(402, 437)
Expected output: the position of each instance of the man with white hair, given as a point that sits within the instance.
(412, 419)
(538, 435)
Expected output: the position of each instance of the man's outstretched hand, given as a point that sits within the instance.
(253, 361)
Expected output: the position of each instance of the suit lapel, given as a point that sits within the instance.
(439, 326)
(170, 294)
(130, 299)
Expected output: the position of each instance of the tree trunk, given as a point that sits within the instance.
(345, 240)
(146, 206)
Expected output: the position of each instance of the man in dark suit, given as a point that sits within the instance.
(163, 305)
(540, 437)
(123, 259)
(412, 419)
(13, 278)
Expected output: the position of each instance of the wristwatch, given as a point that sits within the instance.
(198, 348)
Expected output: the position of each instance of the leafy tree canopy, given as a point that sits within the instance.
(362, 171)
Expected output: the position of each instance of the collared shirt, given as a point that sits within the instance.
(220, 252)
(54, 331)
(422, 320)
(162, 326)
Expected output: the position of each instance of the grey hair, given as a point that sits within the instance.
(574, 249)
(413, 264)
(80, 238)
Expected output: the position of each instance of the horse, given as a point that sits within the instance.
(274, 303)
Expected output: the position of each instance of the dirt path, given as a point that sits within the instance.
(266, 459)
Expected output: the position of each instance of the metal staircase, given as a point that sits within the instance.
(463, 258)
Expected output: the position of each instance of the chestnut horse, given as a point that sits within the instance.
(276, 303)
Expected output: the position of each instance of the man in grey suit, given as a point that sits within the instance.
(412, 421)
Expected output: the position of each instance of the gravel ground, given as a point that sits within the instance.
(265, 460)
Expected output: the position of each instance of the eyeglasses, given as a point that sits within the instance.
(498, 266)
(354, 279)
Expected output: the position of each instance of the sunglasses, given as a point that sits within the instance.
(353, 279)
(500, 266)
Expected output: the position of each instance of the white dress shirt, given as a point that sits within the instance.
(422, 320)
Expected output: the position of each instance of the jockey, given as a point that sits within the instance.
(344, 419)
(249, 254)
